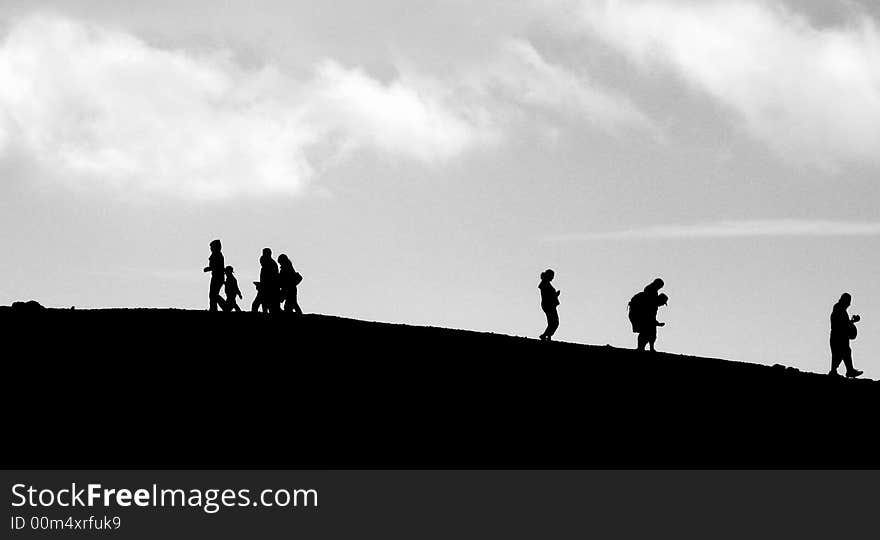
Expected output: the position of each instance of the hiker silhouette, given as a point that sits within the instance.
(267, 287)
(232, 291)
(843, 329)
(288, 279)
(216, 267)
(549, 301)
(648, 335)
(643, 308)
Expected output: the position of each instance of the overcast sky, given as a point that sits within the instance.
(424, 161)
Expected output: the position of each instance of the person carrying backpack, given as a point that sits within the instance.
(643, 313)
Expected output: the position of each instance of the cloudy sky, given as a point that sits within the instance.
(423, 161)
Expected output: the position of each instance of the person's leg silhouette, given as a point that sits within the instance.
(552, 323)
(847, 361)
(291, 303)
(214, 293)
(651, 338)
(258, 300)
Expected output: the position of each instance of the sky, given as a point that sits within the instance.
(423, 161)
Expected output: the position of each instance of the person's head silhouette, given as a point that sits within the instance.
(845, 299)
(657, 284)
(228, 270)
(548, 274)
(267, 252)
(215, 245)
(284, 261)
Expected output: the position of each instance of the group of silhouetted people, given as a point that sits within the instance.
(276, 287)
(644, 305)
(279, 280)
(642, 310)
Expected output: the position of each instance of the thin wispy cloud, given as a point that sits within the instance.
(811, 93)
(732, 229)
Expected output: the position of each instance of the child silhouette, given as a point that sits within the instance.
(232, 291)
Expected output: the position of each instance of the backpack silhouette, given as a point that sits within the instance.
(637, 310)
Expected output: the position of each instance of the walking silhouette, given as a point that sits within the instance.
(549, 301)
(843, 329)
(643, 313)
(648, 335)
(267, 287)
(288, 279)
(232, 291)
(216, 267)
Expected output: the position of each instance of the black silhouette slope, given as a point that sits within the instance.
(148, 388)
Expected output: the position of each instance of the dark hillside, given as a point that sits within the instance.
(173, 388)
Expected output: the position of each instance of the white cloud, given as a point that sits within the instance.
(811, 93)
(97, 106)
(396, 118)
(734, 229)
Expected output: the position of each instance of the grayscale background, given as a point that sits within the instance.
(424, 161)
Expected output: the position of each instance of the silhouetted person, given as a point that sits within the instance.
(288, 279)
(549, 301)
(216, 267)
(648, 330)
(232, 291)
(267, 287)
(643, 313)
(843, 329)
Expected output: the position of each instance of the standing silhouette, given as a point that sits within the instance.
(267, 287)
(216, 267)
(232, 291)
(843, 329)
(643, 313)
(648, 334)
(288, 279)
(549, 301)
